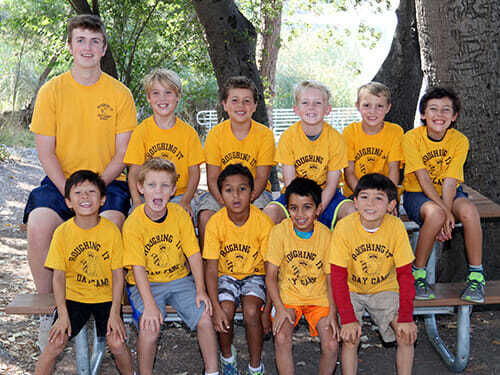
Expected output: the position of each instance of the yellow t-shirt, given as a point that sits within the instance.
(223, 148)
(84, 119)
(371, 259)
(239, 250)
(443, 159)
(180, 144)
(312, 159)
(87, 256)
(372, 153)
(303, 264)
(161, 248)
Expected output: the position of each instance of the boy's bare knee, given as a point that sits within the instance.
(149, 337)
(329, 346)
(116, 346)
(53, 349)
(350, 345)
(283, 339)
(432, 212)
(205, 322)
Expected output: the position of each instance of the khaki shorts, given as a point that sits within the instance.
(208, 202)
(382, 307)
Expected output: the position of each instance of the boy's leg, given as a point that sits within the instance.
(404, 353)
(349, 351)
(283, 347)
(47, 360)
(117, 204)
(208, 342)
(329, 347)
(253, 327)
(207, 207)
(276, 210)
(226, 339)
(338, 208)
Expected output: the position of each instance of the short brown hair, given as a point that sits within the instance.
(87, 22)
(301, 86)
(375, 88)
(165, 77)
(157, 165)
(239, 82)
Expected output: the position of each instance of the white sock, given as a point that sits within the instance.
(212, 373)
(255, 368)
(228, 360)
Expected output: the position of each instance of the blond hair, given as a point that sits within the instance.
(157, 165)
(165, 77)
(301, 86)
(375, 88)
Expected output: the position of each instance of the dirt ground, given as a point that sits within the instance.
(178, 351)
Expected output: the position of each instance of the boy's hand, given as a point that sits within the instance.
(151, 319)
(266, 322)
(282, 315)
(187, 207)
(116, 327)
(350, 332)
(407, 332)
(220, 320)
(61, 327)
(333, 324)
(203, 297)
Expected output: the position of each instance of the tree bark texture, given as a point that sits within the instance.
(401, 70)
(459, 42)
(231, 42)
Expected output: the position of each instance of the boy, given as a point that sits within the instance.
(166, 136)
(373, 145)
(235, 243)
(296, 277)
(237, 140)
(435, 154)
(371, 262)
(158, 237)
(311, 148)
(86, 257)
(82, 120)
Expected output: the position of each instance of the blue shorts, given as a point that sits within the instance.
(180, 294)
(47, 195)
(328, 216)
(413, 201)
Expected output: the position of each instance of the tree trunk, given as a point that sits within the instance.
(401, 70)
(231, 44)
(459, 48)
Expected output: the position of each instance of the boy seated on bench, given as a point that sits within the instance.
(371, 261)
(86, 256)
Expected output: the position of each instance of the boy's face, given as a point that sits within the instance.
(312, 106)
(158, 188)
(163, 99)
(240, 106)
(438, 116)
(372, 109)
(236, 194)
(85, 199)
(372, 205)
(303, 211)
(87, 48)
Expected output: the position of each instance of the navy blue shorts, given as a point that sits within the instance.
(413, 201)
(47, 195)
(328, 216)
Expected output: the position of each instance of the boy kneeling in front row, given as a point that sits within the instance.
(371, 261)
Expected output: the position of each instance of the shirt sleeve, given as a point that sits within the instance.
(412, 157)
(274, 254)
(195, 155)
(284, 153)
(212, 244)
(126, 116)
(135, 149)
(55, 258)
(350, 142)
(43, 121)
(458, 157)
(396, 152)
(338, 152)
(406, 283)
(266, 149)
(212, 152)
(340, 291)
(189, 244)
(117, 251)
(133, 254)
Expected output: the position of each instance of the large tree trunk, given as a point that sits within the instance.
(231, 44)
(459, 48)
(401, 70)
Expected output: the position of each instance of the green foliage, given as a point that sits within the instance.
(14, 134)
(4, 153)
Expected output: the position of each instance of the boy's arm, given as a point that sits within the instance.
(261, 177)
(133, 174)
(332, 181)
(350, 177)
(196, 264)
(192, 185)
(272, 287)
(332, 313)
(288, 174)
(46, 148)
(116, 165)
(394, 171)
(115, 323)
(213, 172)
(62, 324)
(220, 320)
(405, 328)
(151, 318)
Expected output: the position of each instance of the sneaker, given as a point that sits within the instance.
(474, 289)
(43, 332)
(229, 368)
(257, 372)
(423, 290)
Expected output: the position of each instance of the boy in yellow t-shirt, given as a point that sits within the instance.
(373, 145)
(311, 148)
(158, 237)
(86, 258)
(237, 140)
(435, 154)
(166, 136)
(235, 243)
(297, 277)
(371, 270)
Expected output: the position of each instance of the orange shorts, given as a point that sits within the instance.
(312, 313)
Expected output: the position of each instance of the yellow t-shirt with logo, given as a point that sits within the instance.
(87, 256)
(180, 144)
(84, 119)
(372, 153)
(303, 264)
(442, 159)
(312, 159)
(161, 248)
(255, 150)
(239, 250)
(371, 259)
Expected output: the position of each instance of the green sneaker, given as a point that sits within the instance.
(423, 290)
(261, 371)
(229, 368)
(474, 289)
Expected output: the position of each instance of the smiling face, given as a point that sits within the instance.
(163, 100)
(87, 48)
(312, 106)
(85, 199)
(303, 211)
(158, 188)
(373, 110)
(438, 116)
(372, 205)
(240, 106)
(236, 193)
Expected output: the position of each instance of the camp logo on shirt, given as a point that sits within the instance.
(303, 266)
(104, 111)
(238, 156)
(166, 150)
(87, 253)
(436, 161)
